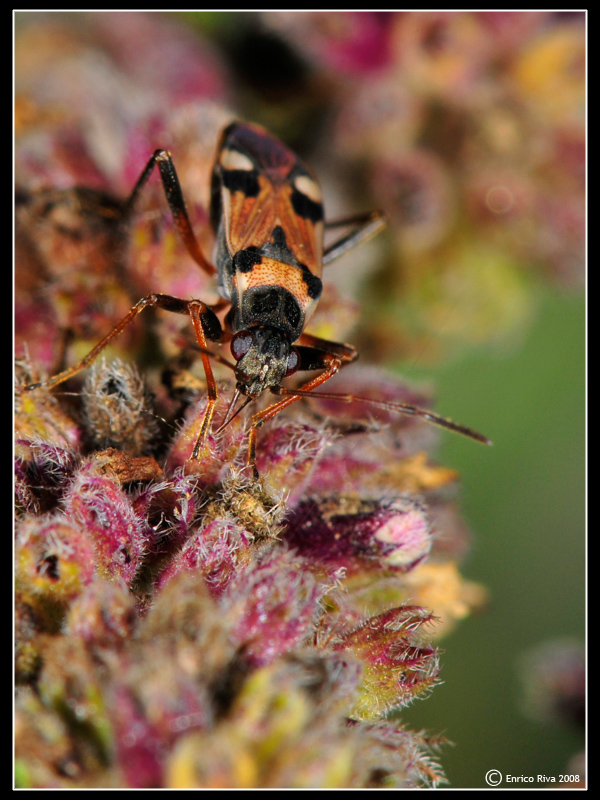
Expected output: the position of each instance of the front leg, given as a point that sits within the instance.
(316, 353)
(206, 326)
(311, 348)
(309, 359)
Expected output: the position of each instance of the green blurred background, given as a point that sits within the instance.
(524, 500)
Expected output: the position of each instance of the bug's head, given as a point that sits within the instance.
(264, 358)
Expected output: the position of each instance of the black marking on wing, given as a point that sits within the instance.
(305, 207)
(241, 180)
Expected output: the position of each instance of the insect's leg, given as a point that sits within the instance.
(318, 360)
(366, 227)
(352, 219)
(345, 352)
(172, 187)
(315, 353)
(208, 319)
(201, 315)
(316, 349)
(401, 408)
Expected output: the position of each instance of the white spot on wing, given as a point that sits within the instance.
(310, 188)
(233, 159)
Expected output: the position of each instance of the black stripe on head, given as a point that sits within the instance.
(292, 311)
(264, 301)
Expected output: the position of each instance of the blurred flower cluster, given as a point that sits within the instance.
(553, 678)
(179, 624)
(470, 131)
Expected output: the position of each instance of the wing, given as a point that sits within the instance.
(269, 199)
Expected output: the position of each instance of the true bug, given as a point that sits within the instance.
(267, 216)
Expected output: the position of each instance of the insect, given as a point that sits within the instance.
(267, 216)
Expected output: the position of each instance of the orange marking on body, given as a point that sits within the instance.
(275, 273)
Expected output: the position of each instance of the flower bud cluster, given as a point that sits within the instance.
(188, 625)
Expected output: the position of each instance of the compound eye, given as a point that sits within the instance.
(240, 344)
(293, 362)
